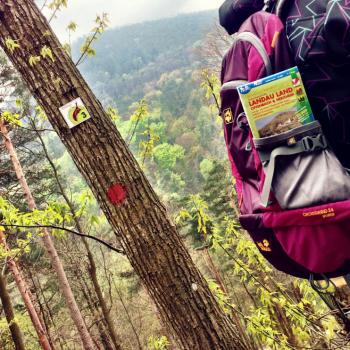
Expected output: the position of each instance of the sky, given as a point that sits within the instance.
(121, 12)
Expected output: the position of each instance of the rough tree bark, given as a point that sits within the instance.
(27, 297)
(50, 248)
(149, 238)
(15, 331)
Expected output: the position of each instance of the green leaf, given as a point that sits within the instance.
(72, 26)
(113, 114)
(19, 103)
(12, 44)
(40, 113)
(182, 216)
(47, 52)
(11, 118)
(94, 220)
(67, 48)
(158, 343)
(33, 60)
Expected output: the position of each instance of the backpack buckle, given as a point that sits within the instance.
(314, 143)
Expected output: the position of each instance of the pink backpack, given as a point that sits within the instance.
(294, 197)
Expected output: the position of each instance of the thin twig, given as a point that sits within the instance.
(44, 5)
(87, 46)
(120, 251)
(53, 14)
(36, 130)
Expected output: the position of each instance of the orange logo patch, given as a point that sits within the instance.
(228, 116)
(265, 246)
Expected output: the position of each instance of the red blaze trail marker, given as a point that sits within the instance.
(117, 194)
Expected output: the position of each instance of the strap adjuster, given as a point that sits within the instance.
(314, 143)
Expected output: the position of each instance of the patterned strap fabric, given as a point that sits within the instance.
(337, 26)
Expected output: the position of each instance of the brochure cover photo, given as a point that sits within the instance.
(276, 104)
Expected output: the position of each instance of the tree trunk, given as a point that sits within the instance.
(137, 336)
(46, 308)
(27, 297)
(44, 319)
(78, 274)
(10, 315)
(214, 270)
(50, 248)
(101, 299)
(149, 238)
(95, 311)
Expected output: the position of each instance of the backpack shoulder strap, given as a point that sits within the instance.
(269, 5)
(256, 42)
(280, 5)
(275, 6)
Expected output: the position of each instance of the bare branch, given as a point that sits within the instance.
(54, 227)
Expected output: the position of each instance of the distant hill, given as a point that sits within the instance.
(130, 58)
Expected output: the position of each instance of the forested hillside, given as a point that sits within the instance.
(130, 60)
(91, 258)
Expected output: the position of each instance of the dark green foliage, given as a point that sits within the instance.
(213, 204)
(218, 191)
(16, 98)
(38, 173)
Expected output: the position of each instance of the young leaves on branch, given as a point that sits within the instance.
(86, 49)
(11, 44)
(13, 119)
(47, 52)
(113, 114)
(158, 343)
(33, 60)
(72, 27)
(55, 6)
(211, 85)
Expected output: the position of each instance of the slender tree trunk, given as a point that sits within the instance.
(92, 302)
(137, 337)
(27, 297)
(283, 323)
(45, 321)
(50, 248)
(110, 279)
(214, 270)
(96, 313)
(62, 342)
(101, 299)
(149, 238)
(16, 333)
